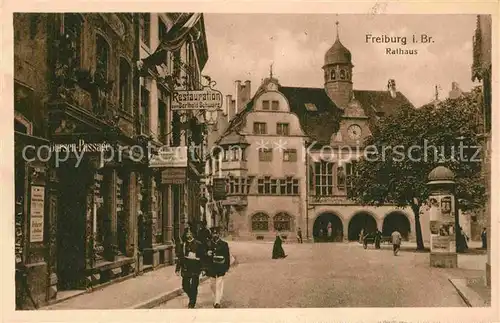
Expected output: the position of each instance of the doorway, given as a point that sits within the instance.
(71, 226)
(361, 221)
(328, 227)
(396, 221)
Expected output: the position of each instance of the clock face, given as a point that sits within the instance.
(272, 87)
(354, 132)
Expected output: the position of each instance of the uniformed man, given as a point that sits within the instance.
(189, 266)
(218, 265)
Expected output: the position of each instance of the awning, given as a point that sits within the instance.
(24, 138)
(173, 40)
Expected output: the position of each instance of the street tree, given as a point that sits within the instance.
(404, 147)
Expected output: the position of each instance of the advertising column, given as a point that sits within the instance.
(442, 223)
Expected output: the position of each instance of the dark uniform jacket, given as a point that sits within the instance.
(190, 267)
(218, 263)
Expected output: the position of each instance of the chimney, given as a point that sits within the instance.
(391, 87)
(237, 90)
(229, 111)
(248, 88)
(455, 92)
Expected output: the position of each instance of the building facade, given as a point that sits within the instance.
(91, 207)
(176, 187)
(481, 71)
(287, 153)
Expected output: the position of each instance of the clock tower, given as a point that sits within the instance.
(354, 126)
(338, 73)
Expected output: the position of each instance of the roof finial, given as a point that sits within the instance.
(271, 70)
(436, 93)
(337, 26)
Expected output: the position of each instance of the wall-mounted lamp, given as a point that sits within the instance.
(211, 117)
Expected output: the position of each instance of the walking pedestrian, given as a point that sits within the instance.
(204, 234)
(396, 242)
(189, 228)
(299, 235)
(361, 235)
(378, 237)
(484, 239)
(219, 262)
(464, 238)
(278, 251)
(189, 265)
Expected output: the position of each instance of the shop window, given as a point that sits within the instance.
(121, 212)
(260, 222)
(282, 222)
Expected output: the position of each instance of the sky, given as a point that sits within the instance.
(243, 46)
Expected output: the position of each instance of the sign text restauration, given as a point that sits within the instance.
(206, 99)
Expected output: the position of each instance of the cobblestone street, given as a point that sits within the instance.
(334, 275)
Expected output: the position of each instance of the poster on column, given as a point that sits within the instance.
(36, 213)
(442, 224)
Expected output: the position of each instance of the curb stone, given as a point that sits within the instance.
(469, 296)
(165, 297)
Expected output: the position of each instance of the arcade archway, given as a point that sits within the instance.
(321, 228)
(361, 221)
(396, 220)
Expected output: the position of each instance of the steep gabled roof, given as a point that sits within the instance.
(318, 115)
(380, 101)
(319, 123)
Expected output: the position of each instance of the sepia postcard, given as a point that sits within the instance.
(281, 161)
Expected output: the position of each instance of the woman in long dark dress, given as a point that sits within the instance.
(278, 251)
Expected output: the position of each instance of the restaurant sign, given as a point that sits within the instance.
(170, 157)
(205, 99)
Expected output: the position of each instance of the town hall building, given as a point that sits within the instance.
(287, 152)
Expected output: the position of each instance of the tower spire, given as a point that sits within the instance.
(271, 70)
(337, 27)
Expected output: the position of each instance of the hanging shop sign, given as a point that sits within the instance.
(206, 99)
(81, 146)
(37, 205)
(219, 189)
(442, 224)
(170, 157)
(173, 175)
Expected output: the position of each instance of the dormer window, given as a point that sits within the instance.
(311, 107)
(265, 105)
(275, 105)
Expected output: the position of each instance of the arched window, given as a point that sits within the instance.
(332, 75)
(260, 222)
(342, 75)
(102, 58)
(282, 222)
